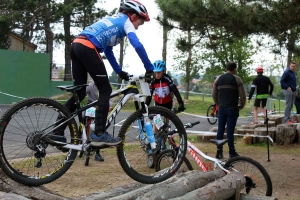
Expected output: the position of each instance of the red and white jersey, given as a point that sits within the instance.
(161, 89)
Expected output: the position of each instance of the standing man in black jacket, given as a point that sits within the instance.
(264, 88)
(288, 83)
(228, 91)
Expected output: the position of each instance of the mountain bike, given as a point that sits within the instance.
(212, 114)
(163, 139)
(258, 181)
(29, 155)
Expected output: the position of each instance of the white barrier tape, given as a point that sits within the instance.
(204, 117)
(209, 133)
(12, 95)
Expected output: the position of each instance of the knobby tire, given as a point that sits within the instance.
(132, 154)
(20, 128)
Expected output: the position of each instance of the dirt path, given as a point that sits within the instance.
(80, 180)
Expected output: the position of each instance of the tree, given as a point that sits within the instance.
(222, 49)
(113, 78)
(240, 19)
(4, 31)
(187, 59)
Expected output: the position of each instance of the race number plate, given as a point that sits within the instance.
(158, 121)
(90, 112)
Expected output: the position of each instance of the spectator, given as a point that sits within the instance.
(227, 92)
(264, 88)
(93, 93)
(164, 88)
(297, 100)
(288, 83)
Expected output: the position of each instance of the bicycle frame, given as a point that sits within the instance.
(129, 91)
(196, 154)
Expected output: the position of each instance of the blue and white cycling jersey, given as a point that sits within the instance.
(109, 32)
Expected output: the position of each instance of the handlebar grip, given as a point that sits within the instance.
(195, 123)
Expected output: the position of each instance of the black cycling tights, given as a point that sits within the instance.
(87, 60)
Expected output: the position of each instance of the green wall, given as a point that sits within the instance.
(26, 74)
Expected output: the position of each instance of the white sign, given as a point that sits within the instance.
(158, 121)
(91, 112)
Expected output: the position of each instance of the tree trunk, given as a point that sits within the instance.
(188, 66)
(165, 39)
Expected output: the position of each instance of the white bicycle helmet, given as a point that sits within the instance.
(136, 7)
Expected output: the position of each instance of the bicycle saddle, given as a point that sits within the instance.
(71, 88)
(218, 142)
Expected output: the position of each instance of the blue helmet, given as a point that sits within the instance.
(159, 66)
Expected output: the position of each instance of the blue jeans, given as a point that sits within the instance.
(289, 100)
(227, 116)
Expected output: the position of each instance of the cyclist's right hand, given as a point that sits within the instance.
(124, 75)
(149, 76)
(181, 107)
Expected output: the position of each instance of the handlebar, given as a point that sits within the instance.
(188, 125)
(175, 110)
(139, 78)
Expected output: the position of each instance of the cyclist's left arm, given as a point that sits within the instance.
(174, 90)
(140, 50)
(112, 59)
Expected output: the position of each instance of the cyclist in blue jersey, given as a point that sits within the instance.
(85, 54)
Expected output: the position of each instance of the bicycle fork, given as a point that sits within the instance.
(144, 124)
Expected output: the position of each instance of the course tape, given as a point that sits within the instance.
(12, 95)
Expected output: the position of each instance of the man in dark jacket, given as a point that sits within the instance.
(288, 83)
(228, 91)
(264, 88)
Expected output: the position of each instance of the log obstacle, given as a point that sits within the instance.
(188, 185)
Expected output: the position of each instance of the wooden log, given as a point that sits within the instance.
(173, 187)
(214, 129)
(206, 138)
(247, 139)
(278, 119)
(296, 117)
(271, 124)
(297, 137)
(272, 133)
(246, 126)
(11, 189)
(255, 197)
(285, 134)
(224, 188)
(244, 131)
(254, 126)
(260, 131)
(293, 125)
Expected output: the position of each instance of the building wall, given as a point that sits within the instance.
(26, 74)
(18, 44)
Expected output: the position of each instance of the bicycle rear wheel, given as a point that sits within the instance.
(212, 116)
(258, 181)
(25, 157)
(133, 152)
(166, 158)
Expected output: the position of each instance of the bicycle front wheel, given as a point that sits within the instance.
(212, 116)
(133, 153)
(258, 181)
(24, 156)
(166, 158)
